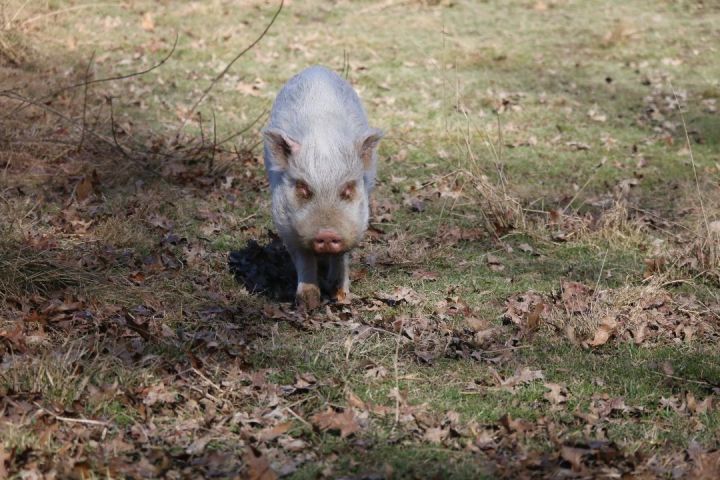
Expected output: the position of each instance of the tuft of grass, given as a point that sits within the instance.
(14, 48)
(26, 271)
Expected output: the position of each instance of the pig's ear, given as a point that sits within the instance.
(367, 146)
(281, 146)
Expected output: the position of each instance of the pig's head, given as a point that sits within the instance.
(322, 200)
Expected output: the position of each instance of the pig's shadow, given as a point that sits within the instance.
(265, 269)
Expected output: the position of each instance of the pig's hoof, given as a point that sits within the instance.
(308, 297)
(342, 296)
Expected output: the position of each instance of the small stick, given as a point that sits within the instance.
(698, 382)
(203, 392)
(397, 379)
(85, 94)
(72, 420)
(210, 382)
(237, 134)
(302, 420)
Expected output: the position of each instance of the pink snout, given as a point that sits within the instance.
(328, 241)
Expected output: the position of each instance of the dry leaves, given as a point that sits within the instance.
(400, 295)
(521, 376)
(258, 467)
(604, 332)
(345, 421)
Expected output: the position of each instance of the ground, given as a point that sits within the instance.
(537, 296)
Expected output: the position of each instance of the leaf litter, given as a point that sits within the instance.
(201, 400)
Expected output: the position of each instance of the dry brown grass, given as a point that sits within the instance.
(499, 207)
(13, 45)
(24, 271)
(640, 314)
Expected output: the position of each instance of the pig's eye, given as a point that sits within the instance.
(348, 190)
(302, 190)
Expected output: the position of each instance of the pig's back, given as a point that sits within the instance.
(315, 99)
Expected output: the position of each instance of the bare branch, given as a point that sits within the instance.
(100, 80)
(227, 68)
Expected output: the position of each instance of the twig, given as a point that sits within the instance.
(346, 64)
(85, 93)
(602, 267)
(210, 382)
(21, 98)
(397, 379)
(674, 377)
(17, 12)
(435, 180)
(72, 420)
(580, 190)
(206, 394)
(302, 420)
(112, 129)
(248, 127)
(226, 69)
(692, 159)
(212, 157)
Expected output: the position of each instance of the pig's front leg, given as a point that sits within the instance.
(338, 276)
(308, 292)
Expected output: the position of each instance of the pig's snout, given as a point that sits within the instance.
(328, 241)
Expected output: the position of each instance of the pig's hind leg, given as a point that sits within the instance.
(338, 280)
(307, 295)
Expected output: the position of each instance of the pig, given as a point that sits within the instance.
(320, 157)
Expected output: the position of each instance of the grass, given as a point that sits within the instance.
(550, 125)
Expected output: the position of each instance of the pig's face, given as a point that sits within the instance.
(322, 200)
(329, 215)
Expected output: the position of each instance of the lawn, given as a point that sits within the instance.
(538, 295)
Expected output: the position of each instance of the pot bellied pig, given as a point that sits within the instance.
(320, 156)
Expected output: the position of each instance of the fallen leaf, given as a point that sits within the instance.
(557, 393)
(604, 332)
(87, 186)
(159, 394)
(573, 456)
(522, 376)
(477, 324)
(435, 434)
(533, 318)
(271, 433)
(148, 22)
(346, 421)
(494, 263)
(258, 466)
(576, 297)
(515, 425)
(198, 445)
(399, 295)
(4, 456)
(425, 275)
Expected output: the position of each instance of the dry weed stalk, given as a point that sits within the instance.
(12, 47)
(707, 244)
(616, 225)
(500, 210)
